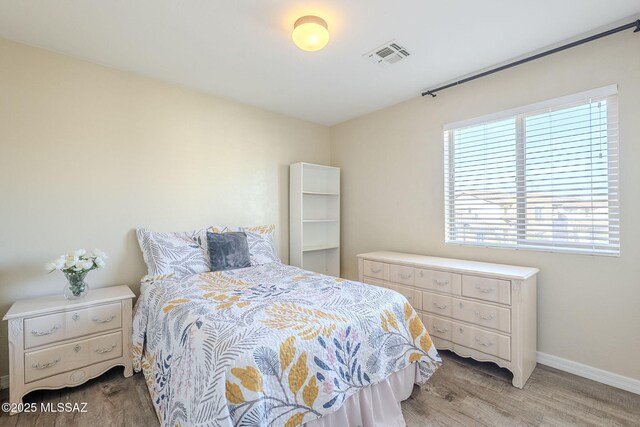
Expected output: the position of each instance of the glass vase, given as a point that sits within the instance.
(76, 288)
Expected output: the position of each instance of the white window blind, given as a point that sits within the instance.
(542, 177)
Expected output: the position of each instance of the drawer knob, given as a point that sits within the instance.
(438, 306)
(440, 282)
(422, 274)
(105, 320)
(101, 350)
(484, 343)
(441, 330)
(484, 316)
(405, 276)
(47, 332)
(484, 290)
(75, 316)
(375, 270)
(45, 365)
(77, 348)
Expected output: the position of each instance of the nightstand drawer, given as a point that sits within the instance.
(105, 347)
(44, 329)
(54, 360)
(70, 324)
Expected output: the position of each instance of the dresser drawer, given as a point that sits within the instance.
(437, 327)
(414, 296)
(437, 304)
(438, 281)
(70, 324)
(105, 347)
(487, 289)
(484, 341)
(373, 269)
(401, 274)
(485, 315)
(55, 360)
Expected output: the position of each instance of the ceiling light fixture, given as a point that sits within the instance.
(310, 33)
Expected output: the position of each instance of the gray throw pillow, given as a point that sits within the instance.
(228, 251)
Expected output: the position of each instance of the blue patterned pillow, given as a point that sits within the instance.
(228, 251)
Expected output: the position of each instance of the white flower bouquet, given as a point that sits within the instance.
(76, 265)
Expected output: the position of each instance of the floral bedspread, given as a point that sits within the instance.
(269, 345)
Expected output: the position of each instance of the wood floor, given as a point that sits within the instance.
(461, 393)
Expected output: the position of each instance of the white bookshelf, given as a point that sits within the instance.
(314, 218)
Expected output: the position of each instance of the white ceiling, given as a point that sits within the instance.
(242, 49)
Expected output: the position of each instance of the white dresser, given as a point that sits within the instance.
(55, 343)
(475, 309)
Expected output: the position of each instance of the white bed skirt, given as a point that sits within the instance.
(377, 405)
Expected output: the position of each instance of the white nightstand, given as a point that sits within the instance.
(55, 343)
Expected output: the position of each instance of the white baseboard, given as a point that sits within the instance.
(595, 374)
(4, 382)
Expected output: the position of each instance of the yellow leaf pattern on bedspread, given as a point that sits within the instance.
(310, 392)
(173, 303)
(308, 322)
(426, 343)
(249, 377)
(287, 353)
(298, 373)
(408, 311)
(415, 327)
(295, 420)
(234, 394)
(218, 282)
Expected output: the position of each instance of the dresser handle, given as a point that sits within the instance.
(441, 307)
(484, 290)
(440, 283)
(45, 365)
(482, 343)
(107, 320)
(375, 271)
(421, 273)
(101, 350)
(405, 276)
(75, 316)
(77, 348)
(42, 333)
(442, 331)
(483, 316)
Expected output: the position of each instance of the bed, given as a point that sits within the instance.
(276, 345)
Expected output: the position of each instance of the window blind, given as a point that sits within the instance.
(542, 177)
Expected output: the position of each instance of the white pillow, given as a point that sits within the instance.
(182, 253)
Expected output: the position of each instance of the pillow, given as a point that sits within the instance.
(228, 251)
(262, 248)
(182, 253)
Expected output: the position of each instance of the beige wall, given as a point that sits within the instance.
(88, 153)
(392, 186)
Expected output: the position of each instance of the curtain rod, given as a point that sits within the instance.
(635, 24)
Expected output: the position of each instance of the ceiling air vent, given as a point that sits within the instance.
(387, 54)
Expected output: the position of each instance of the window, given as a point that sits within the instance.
(541, 177)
